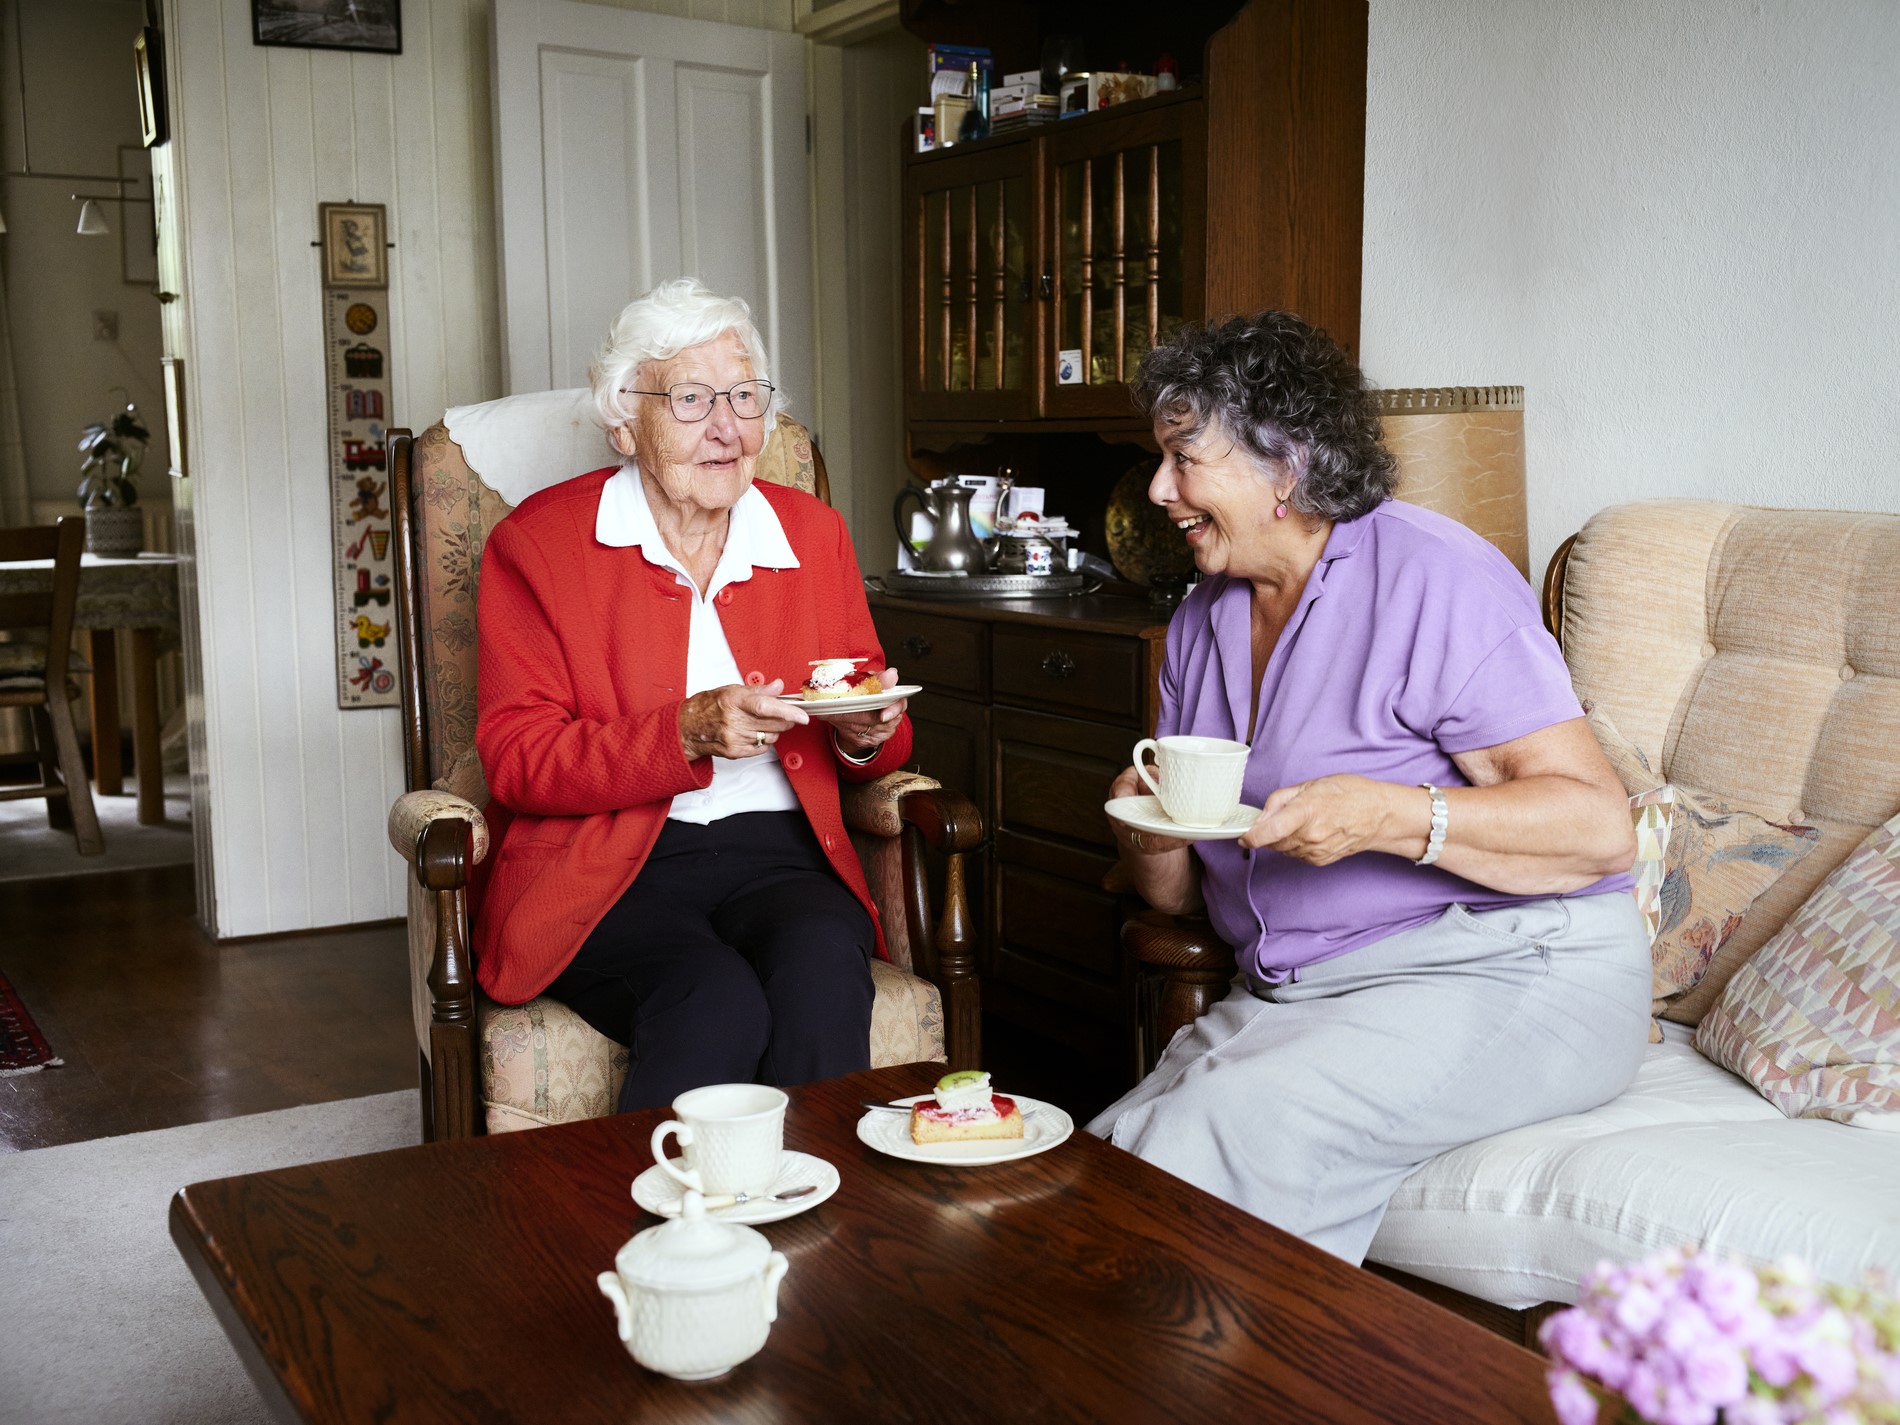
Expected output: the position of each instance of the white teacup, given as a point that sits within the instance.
(1200, 777)
(732, 1134)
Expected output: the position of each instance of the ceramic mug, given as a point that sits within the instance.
(1200, 777)
(733, 1136)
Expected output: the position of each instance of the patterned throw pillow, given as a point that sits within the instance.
(1654, 814)
(1813, 1019)
(1718, 860)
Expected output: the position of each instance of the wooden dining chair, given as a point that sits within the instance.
(36, 668)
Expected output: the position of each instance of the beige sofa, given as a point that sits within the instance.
(1754, 654)
(1749, 653)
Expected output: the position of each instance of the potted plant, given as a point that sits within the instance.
(108, 482)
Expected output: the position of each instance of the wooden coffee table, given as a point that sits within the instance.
(455, 1281)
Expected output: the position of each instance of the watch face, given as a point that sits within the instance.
(360, 318)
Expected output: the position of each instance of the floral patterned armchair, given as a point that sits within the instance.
(539, 1063)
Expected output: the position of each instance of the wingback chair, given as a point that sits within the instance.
(538, 1063)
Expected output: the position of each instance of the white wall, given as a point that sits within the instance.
(863, 96)
(298, 789)
(1676, 224)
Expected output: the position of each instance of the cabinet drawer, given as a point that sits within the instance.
(1051, 776)
(937, 652)
(1065, 925)
(1091, 674)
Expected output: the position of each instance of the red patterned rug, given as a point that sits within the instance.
(23, 1049)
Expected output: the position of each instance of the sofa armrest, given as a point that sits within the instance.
(413, 812)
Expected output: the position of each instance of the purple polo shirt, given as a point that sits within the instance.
(1413, 640)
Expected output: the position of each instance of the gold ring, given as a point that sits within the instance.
(1135, 836)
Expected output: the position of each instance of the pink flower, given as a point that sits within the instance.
(1637, 1309)
(1716, 1372)
(1831, 1365)
(1726, 1291)
(1571, 1398)
(1753, 1410)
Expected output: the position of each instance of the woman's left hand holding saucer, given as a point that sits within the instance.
(1324, 820)
(861, 733)
(1142, 843)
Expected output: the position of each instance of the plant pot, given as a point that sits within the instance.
(114, 531)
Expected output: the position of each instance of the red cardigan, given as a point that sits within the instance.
(582, 673)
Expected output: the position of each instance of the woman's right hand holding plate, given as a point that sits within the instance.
(737, 721)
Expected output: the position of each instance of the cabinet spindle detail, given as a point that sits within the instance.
(1121, 264)
(1154, 245)
(1088, 270)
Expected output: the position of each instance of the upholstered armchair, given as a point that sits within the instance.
(523, 1066)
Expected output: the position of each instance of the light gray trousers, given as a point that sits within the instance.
(1308, 1103)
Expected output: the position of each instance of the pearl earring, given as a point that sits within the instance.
(1279, 510)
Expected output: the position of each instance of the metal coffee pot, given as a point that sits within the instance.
(954, 546)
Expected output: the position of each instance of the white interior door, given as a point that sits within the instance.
(632, 148)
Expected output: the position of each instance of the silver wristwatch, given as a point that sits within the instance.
(1441, 815)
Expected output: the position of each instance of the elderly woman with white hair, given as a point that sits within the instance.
(672, 863)
(1431, 910)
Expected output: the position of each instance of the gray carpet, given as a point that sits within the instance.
(32, 850)
(101, 1321)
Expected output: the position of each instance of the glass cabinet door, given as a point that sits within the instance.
(1126, 252)
(972, 322)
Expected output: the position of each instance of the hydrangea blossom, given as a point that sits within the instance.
(1685, 1338)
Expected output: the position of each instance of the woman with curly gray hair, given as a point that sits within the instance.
(1430, 911)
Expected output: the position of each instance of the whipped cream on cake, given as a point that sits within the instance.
(965, 1108)
(838, 678)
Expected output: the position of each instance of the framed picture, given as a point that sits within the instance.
(138, 233)
(149, 59)
(372, 25)
(355, 251)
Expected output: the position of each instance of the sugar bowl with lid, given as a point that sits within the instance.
(694, 1296)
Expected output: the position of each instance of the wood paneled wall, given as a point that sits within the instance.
(295, 790)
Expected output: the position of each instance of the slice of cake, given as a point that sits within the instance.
(838, 678)
(965, 1110)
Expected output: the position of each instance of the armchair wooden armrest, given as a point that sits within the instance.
(1195, 967)
(442, 836)
(949, 824)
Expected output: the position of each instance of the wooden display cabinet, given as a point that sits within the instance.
(1101, 234)
(1095, 235)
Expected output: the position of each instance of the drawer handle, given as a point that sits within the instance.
(917, 646)
(1058, 665)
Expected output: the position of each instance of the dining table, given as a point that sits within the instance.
(138, 593)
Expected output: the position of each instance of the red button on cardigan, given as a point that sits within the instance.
(724, 596)
(754, 679)
(792, 761)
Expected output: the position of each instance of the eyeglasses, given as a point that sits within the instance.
(691, 401)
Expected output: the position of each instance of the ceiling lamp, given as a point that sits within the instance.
(92, 222)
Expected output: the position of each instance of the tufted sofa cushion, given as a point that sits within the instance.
(1753, 654)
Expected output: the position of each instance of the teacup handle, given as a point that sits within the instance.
(1147, 744)
(686, 1177)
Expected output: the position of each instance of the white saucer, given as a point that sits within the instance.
(1044, 1126)
(831, 707)
(659, 1192)
(1145, 814)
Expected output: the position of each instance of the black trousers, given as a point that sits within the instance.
(736, 956)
